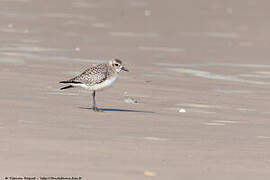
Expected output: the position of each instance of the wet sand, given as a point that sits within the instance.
(199, 71)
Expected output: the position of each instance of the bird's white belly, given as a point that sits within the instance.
(107, 83)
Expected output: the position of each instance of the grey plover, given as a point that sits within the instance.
(96, 77)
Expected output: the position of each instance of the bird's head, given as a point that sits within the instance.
(117, 65)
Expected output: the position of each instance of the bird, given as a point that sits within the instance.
(95, 78)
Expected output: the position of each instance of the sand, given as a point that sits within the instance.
(199, 82)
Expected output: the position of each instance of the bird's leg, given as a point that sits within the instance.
(94, 99)
(94, 103)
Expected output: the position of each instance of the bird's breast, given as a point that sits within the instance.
(105, 84)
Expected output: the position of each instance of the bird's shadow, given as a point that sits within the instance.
(117, 110)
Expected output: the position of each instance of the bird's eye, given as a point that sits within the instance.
(116, 65)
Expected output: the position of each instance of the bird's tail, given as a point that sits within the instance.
(65, 82)
(66, 87)
(70, 82)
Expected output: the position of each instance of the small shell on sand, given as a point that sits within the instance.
(130, 100)
(182, 110)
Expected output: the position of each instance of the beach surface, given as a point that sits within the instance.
(195, 104)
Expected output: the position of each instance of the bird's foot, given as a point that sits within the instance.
(97, 109)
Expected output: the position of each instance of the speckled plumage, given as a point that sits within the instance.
(95, 74)
(96, 77)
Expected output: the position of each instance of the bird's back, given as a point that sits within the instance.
(96, 74)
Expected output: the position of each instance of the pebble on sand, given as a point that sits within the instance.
(149, 173)
(147, 13)
(10, 25)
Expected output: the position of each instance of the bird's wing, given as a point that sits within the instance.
(93, 75)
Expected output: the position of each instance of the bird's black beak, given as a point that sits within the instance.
(124, 69)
